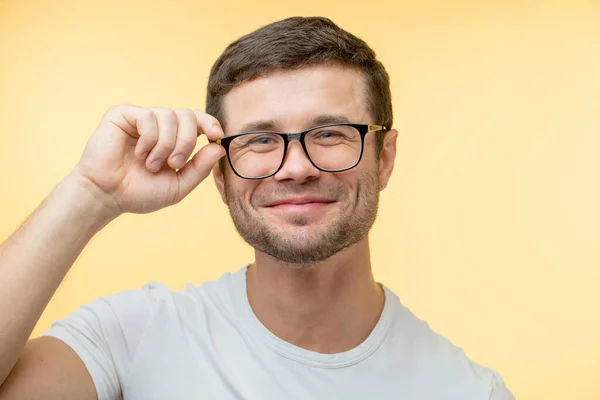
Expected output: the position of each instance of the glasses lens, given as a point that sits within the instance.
(334, 148)
(255, 155)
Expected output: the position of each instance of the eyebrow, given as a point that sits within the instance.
(330, 119)
(260, 125)
(272, 125)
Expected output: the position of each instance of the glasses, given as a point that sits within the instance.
(330, 148)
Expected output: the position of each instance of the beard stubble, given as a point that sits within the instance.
(303, 246)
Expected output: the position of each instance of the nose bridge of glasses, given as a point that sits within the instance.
(291, 154)
(293, 136)
(290, 137)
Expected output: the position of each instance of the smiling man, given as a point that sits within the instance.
(299, 118)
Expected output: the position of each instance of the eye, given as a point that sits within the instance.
(329, 134)
(261, 140)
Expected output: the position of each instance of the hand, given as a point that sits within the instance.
(136, 161)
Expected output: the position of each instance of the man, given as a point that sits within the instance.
(299, 115)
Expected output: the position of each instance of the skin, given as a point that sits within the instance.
(140, 160)
(329, 303)
(115, 175)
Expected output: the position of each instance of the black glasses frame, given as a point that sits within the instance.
(363, 129)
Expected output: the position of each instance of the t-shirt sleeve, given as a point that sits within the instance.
(105, 334)
(499, 390)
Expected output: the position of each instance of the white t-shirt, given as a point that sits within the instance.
(206, 343)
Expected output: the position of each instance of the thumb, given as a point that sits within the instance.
(198, 168)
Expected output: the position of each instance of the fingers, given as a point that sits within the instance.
(187, 134)
(164, 144)
(208, 125)
(147, 129)
(139, 123)
(198, 168)
(178, 134)
(165, 136)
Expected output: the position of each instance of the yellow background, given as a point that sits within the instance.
(490, 228)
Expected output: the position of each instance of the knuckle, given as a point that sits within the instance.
(146, 113)
(184, 112)
(167, 114)
(112, 110)
(116, 110)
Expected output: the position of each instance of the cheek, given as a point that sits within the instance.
(368, 165)
(364, 180)
(238, 190)
(369, 156)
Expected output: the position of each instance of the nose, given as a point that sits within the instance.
(296, 165)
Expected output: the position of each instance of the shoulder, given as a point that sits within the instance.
(129, 313)
(434, 357)
(212, 296)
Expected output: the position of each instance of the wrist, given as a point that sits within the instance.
(89, 203)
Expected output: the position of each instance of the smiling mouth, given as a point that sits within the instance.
(300, 200)
(300, 207)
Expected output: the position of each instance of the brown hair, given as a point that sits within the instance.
(296, 43)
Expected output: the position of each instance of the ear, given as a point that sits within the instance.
(387, 158)
(219, 181)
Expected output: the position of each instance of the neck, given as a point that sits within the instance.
(329, 307)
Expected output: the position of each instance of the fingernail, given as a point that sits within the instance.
(144, 155)
(178, 160)
(156, 164)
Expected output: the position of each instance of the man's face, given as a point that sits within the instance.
(302, 215)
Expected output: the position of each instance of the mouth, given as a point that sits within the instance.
(300, 205)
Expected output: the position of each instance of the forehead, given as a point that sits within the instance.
(291, 100)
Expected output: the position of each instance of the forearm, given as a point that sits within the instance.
(36, 258)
